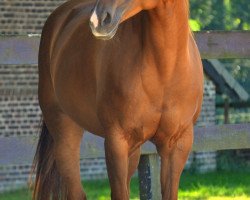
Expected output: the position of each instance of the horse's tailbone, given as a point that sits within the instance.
(48, 183)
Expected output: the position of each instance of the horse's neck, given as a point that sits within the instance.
(167, 34)
(169, 21)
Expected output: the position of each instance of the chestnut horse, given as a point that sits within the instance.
(142, 81)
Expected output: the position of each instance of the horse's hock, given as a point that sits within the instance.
(20, 114)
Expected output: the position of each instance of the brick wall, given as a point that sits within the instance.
(18, 79)
(25, 16)
(18, 176)
(19, 111)
(13, 176)
(19, 115)
(207, 116)
(205, 161)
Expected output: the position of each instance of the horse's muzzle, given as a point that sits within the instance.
(104, 22)
(102, 33)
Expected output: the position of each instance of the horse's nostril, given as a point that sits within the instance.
(106, 19)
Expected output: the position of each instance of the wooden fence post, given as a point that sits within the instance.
(149, 177)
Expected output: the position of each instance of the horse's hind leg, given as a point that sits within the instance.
(67, 155)
(67, 136)
(65, 151)
(173, 159)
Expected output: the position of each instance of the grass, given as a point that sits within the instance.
(215, 186)
(211, 186)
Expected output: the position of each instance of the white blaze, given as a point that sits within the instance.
(94, 19)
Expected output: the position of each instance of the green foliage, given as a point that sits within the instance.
(229, 161)
(240, 11)
(224, 15)
(195, 25)
(221, 14)
(240, 70)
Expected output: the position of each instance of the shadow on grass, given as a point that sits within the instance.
(100, 190)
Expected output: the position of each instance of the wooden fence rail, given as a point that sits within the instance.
(213, 44)
(207, 138)
(20, 50)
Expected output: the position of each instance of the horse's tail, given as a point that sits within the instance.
(48, 183)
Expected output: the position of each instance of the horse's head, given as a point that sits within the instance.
(108, 14)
